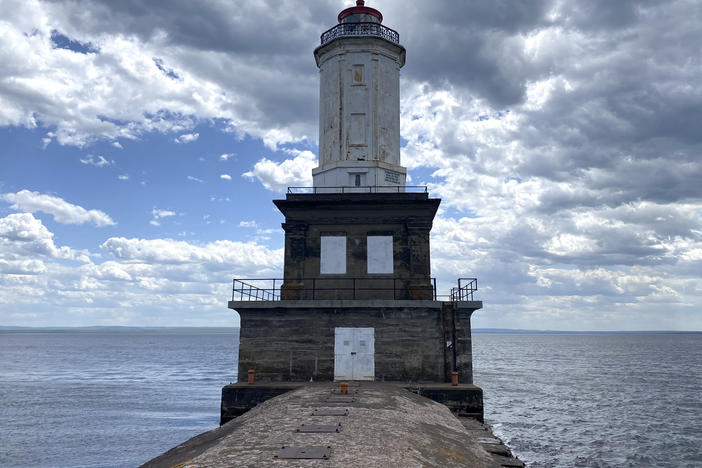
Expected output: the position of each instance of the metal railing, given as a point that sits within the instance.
(464, 291)
(362, 189)
(360, 29)
(348, 288)
(344, 288)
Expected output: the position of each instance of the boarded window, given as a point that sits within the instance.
(333, 255)
(380, 254)
(358, 74)
(357, 133)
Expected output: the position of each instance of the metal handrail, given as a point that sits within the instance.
(464, 291)
(362, 189)
(276, 289)
(360, 29)
(344, 287)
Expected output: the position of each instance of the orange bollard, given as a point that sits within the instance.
(454, 378)
(251, 376)
(344, 388)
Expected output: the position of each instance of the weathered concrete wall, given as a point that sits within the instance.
(359, 111)
(294, 340)
(407, 217)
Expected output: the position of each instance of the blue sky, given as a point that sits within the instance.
(141, 145)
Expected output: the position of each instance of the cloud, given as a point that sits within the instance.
(157, 215)
(187, 138)
(214, 256)
(248, 224)
(24, 240)
(123, 177)
(562, 136)
(225, 177)
(195, 179)
(226, 156)
(99, 161)
(61, 210)
(277, 176)
(152, 72)
(128, 286)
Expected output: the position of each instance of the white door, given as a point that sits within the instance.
(354, 353)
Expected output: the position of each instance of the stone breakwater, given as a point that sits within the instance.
(374, 425)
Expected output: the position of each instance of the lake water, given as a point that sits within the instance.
(117, 399)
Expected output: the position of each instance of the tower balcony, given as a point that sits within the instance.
(348, 288)
(366, 29)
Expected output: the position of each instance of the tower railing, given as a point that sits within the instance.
(464, 291)
(362, 189)
(335, 287)
(348, 288)
(360, 29)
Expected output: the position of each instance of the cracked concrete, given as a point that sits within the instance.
(387, 426)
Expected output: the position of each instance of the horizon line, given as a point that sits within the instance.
(474, 330)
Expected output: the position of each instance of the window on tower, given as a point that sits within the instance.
(358, 74)
(379, 252)
(332, 256)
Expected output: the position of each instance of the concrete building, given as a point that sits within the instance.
(357, 300)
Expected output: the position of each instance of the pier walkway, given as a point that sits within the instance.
(375, 425)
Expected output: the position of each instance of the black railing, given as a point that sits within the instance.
(464, 291)
(344, 288)
(360, 29)
(348, 288)
(362, 189)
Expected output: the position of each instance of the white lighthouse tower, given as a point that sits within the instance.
(359, 63)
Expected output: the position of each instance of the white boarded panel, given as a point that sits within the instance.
(357, 133)
(379, 254)
(333, 255)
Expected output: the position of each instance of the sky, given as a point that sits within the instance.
(141, 144)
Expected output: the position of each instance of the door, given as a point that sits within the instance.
(354, 353)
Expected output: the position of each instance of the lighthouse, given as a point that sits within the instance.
(356, 300)
(359, 63)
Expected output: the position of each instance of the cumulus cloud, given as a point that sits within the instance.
(277, 176)
(226, 156)
(62, 211)
(225, 176)
(153, 72)
(248, 224)
(24, 239)
(214, 256)
(187, 138)
(130, 285)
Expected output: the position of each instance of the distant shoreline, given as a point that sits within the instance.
(502, 331)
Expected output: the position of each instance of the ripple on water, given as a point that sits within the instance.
(594, 400)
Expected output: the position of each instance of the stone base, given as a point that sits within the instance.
(385, 425)
(463, 400)
(238, 398)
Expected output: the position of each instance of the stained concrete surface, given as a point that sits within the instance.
(387, 426)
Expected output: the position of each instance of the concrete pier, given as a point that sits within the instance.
(375, 425)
